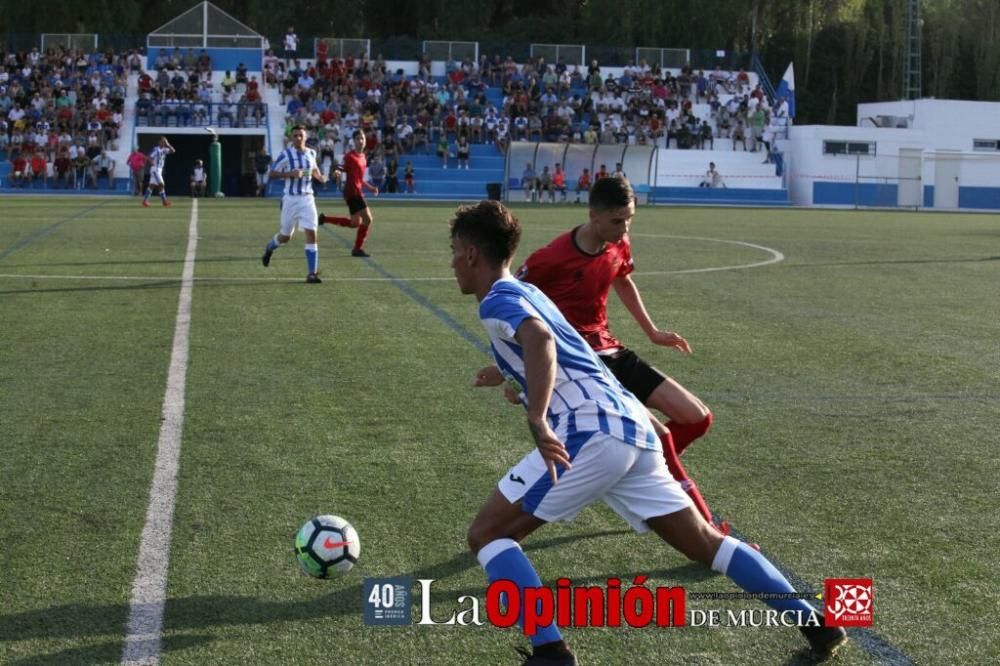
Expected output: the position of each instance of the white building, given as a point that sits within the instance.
(924, 153)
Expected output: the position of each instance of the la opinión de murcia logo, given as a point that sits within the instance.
(565, 606)
(387, 601)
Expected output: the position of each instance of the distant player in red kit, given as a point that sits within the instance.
(355, 165)
(577, 270)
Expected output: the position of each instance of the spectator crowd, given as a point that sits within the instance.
(540, 101)
(61, 113)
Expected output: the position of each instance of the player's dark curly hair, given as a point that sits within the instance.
(491, 227)
(611, 192)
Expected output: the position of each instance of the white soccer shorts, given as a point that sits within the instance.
(156, 176)
(634, 482)
(298, 210)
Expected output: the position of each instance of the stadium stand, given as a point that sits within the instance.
(686, 118)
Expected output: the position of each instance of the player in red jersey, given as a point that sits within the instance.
(577, 270)
(355, 165)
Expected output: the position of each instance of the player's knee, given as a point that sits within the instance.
(477, 537)
(706, 422)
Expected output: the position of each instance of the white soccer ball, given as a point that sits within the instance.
(220, 194)
(327, 546)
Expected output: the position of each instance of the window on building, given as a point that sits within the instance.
(985, 144)
(849, 148)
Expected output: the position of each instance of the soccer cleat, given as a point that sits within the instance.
(312, 278)
(266, 259)
(357, 252)
(322, 219)
(824, 641)
(564, 658)
(145, 204)
(167, 204)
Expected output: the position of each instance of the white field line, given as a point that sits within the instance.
(149, 589)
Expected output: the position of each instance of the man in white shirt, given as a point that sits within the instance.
(199, 179)
(103, 166)
(291, 45)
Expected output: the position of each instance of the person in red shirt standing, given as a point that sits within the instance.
(583, 184)
(577, 270)
(137, 164)
(559, 182)
(355, 165)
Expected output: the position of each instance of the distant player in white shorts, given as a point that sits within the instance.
(593, 439)
(157, 162)
(297, 166)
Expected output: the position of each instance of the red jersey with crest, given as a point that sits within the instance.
(578, 283)
(355, 164)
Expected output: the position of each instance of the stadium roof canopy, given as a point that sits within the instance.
(205, 26)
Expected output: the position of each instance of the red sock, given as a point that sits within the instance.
(677, 471)
(359, 239)
(685, 433)
(339, 221)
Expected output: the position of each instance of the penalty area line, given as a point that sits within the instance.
(149, 589)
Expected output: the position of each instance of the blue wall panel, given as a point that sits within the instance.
(710, 195)
(979, 197)
(850, 194)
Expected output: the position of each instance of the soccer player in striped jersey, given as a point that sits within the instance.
(355, 164)
(157, 161)
(577, 271)
(297, 166)
(593, 439)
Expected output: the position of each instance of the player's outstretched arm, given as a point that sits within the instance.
(628, 293)
(318, 175)
(540, 376)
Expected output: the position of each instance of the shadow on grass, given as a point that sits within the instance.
(168, 283)
(105, 653)
(149, 262)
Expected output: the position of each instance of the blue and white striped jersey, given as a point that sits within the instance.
(291, 159)
(586, 396)
(158, 157)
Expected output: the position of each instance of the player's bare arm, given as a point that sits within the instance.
(491, 376)
(293, 173)
(628, 293)
(488, 376)
(540, 375)
(318, 175)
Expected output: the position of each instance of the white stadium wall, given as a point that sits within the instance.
(925, 153)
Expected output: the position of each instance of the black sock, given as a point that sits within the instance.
(553, 649)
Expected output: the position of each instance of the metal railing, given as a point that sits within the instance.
(249, 115)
